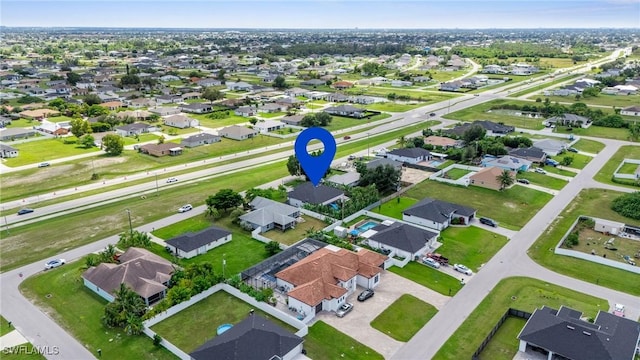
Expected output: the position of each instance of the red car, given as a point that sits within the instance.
(347, 137)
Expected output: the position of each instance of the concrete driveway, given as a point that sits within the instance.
(356, 323)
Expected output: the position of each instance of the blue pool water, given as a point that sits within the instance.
(435, 163)
(222, 328)
(366, 226)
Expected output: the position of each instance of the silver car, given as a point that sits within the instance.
(344, 309)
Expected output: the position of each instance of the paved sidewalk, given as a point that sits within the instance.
(12, 339)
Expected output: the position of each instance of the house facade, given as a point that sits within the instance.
(506, 162)
(267, 214)
(181, 121)
(409, 155)
(268, 126)
(7, 151)
(193, 244)
(199, 140)
(631, 111)
(438, 215)
(237, 132)
(134, 129)
(401, 240)
(160, 150)
(346, 110)
(488, 178)
(306, 193)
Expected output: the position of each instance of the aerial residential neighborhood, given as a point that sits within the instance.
(483, 200)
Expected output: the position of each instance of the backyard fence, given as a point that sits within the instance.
(510, 312)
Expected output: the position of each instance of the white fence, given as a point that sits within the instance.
(589, 257)
(464, 180)
(303, 330)
(635, 175)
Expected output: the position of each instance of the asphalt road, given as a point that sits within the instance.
(511, 260)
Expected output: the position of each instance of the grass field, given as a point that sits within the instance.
(4, 326)
(395, 207)
(597, 131)
(429, 278)
(590, 146)
(22, 123)
(78, 310)
(601, 99)
(480, 112)
(556, 170)
(455, 173)
(543, 180)
(606, 172)
(517, 205)
(404, 318)
(271, 115)
(232, 119)
(292, 236)
(504, 344)
(471, 246)
(628, 168)
(326, 343)
(529, 294)
(393, 106)
(33, 152)
(589, 202)
(204, 317)
(579, 160)
(129, 140)
(422, 96)
(544, 85)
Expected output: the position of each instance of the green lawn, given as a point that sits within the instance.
(78, 310)
(543, 180)
(504, 344)
(471, 246)
(423, 96)
(597, 131)
(326, 343)
(341, 122)
(546, 84)
(271, 115)
(57, 119)
(512, 208)
(455, 173)
(25, 351)
(590, 146)
(606, 173)
(292, 236)
(589, 202)
(395, 207)
(22, 123)
(601, 99)
(555, 170)
(529, 294)
(33, 152)
(232, 119)
(204, 317)
(628, 168)
(480, 112)
(4, 326)
(579, 160)
(404, 318)
(429, 278)
(130, 140)
(393, 107)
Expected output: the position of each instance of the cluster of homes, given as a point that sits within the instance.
(514, 69)
(473, 82)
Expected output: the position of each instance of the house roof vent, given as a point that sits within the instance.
(570, 327)
(586, 333)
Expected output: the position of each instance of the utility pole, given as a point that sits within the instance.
(130, 225)
(157, 194)
(368, 145)
(224, 263)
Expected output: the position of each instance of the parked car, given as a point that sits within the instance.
(439, 258)
(25, 211)
(171, 180)
(524, 181)
(351, 157)
(618, 310)
(347, 137)
(54, 263)
(185, 208)
(551, 162)
(463, 269)
(540, 171)
(365, 295)
(344, 309)
(487, 221)
(432, 114)
(430, 262)
(572, 149)
(44, 164)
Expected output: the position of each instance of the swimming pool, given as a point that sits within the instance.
(366, 226)
(224, 327)
(435, 163)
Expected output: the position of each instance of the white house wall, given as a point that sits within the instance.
(294, 352)
(103, 294)
(424, 222)
(404, 159)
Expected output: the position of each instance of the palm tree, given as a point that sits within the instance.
(402, 141)
(134, 325)
(505, 179)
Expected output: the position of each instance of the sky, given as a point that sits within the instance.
(323, 14)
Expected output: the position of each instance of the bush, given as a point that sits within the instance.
(157, 339)
(572, 240)
(628, 205)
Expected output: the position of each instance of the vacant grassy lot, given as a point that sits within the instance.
(579, 160)
(589, 202)
(543, 180)
(57, 119)
(455, 173)
(129, 140)
(590, 146)
(606, 173)
(393, 106)
(231, 119)
(271, 115)
(395, 207)
(22, 123)
(404, 318)
(504, 344)
(512, 207)
(628, 168)
(204, 317)
(601, 99)
(593, 242)
(33, 152)
(341, 122)
(326, 343)
(597, 131)
(480, 112)
(471, 246)
(292, 236)
(556, 170)
(529, 294)
(429, 278)
(543, 86)
(78, 310)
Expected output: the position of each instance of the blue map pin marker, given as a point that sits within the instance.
(315, 166)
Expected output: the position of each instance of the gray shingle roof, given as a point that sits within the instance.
(410, 152)
(437, 210)
(402, 236)
(268, 211)
(307, 193)
(191, 241)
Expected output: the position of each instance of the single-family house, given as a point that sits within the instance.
(383, 162)
(569, 120)
(296, 91)
(292, 119)
(181, 121)
(409, 155)
(239, 86)
(400, 83)
(134, 129)
(551, 147)
(489, 178)
(193, 244)
(306, 193)
(494, 129)
(266, 126)
(523, 69)
(323, 280)
(135, 114)
(313, 82)
(165, 111)
(443, 142)
(563, 334)
(361, 99)
(506, 162)
(197, 108)
(254, 338)
(341, 85)
(144, 272)
(438, 215)
(268, 214)
(54, 128)
(631, 111)
(237, 132)
(191, 95)
(206, 82)
(272, 108)
(346, 110)
(168, 99)
(533, 154)
(7, 151)
(141, 102)
(451, 86)
(112, 105)
(199, 139)
(351, 178)
(337, 97)
(39, 114)
(399, 239)
(246, 111)
(11, 134)
(163, 149)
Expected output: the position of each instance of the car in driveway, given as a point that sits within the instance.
(618, 310)
(344, 309)
(524, 181)
(430, 262)
(365, 295)
(51, 264)
(463, 269)
(44, 164)
(185, 208)
(25, 211)
(572, 149)
(171, 180)
(540, 171)
(487, 221)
